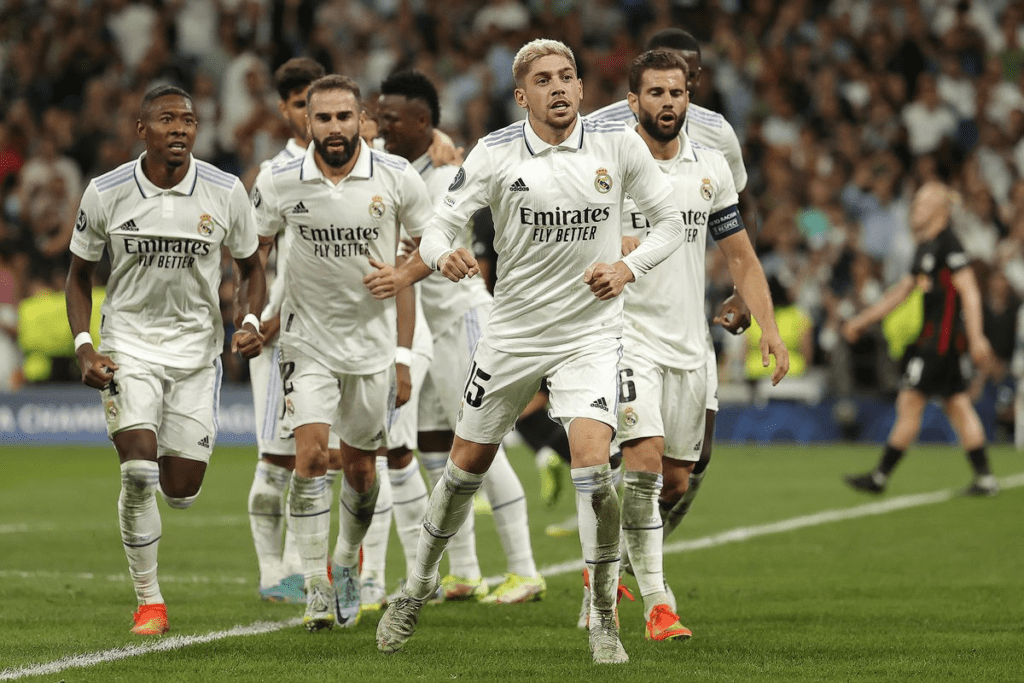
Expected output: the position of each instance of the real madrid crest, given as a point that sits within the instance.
(111, 411)
(377, 207)
(603, 181)
(206, 225)
(629, 417)
(706, 190)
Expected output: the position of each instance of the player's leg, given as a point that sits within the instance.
(266, 503)
(508, 502)
(965, 421)
(372, 593)
(584, 392)
(910, 405)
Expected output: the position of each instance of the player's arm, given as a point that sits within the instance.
(734, 314)
(970, 298)
(97, 369)
(243, 243)
(469, 190)
(896, 295)
(405, 302)
(748, 275)
(252, 278)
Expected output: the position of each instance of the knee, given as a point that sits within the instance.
(360, 472)
(673, 490)
(139, 478)
(311, 460)
(180, 502)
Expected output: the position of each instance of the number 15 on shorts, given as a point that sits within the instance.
(474, 391)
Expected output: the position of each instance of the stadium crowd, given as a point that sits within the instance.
(844, 108)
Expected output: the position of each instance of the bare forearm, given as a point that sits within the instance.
(970, 299)
(405, 302)
(414, 269)
(896, 295)
(78, 296)
(751, 283)
(251, 288)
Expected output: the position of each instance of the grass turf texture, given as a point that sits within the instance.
(929, 593)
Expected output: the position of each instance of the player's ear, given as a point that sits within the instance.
(579, 82)
(282, 108)
(140, 129)
(520, 96)
(633, 101)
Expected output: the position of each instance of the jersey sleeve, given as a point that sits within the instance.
(956, 257)
(241, 239)
(265, 202)
(734, 155)
(468, 191)
(90, 235)
(652, 193)
(416, 209)
(725, 218)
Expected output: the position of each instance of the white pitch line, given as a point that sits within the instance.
(171, 521)
(731, 536)
(162, 645)
(117, 578)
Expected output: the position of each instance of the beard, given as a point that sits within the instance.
(341, 157)
(656, 130)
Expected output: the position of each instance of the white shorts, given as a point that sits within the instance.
(711, 366)
(268, 401)
(179, 406)
(403, 420)
(356, 406)
(444, 383)
(656, 400)
(581, 383)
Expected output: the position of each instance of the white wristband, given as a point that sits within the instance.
(252, 319)
(81, 339)
(403, 356)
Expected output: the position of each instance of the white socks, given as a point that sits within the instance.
(410, 506)
(508, 503)
(309, 509)
(266, 519)
(462, 560)
(140, 526)
(354, 516)
(597, 508)
(642, 531)
(450, 504)
(375, 543)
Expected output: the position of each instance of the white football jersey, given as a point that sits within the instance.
(275, 269)
(444, 301)
(163, 298)
(557, 211)
(328, 313)
(664, 312)
(706, 127)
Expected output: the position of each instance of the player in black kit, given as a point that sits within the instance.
(932, 362)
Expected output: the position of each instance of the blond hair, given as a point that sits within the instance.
(534, 50)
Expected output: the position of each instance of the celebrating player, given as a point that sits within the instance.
(341, 200)
(555, 183)
(162, 220)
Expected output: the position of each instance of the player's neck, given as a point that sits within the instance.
(164, 176)
(551, 135)
(337, 174)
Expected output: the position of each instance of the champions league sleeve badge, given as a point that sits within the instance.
(257, 198)
(459, 180)
(81, 221)
(205, 225)
(603, 181)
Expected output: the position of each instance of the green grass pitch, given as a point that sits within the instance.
(930, 592)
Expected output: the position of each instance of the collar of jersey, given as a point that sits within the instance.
(148, 189)
(363, 169)
(294, 148)
(571, 144)
(422, 163)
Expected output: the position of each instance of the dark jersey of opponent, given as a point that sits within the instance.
(935, 261)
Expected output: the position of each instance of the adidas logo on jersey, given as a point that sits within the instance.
(128, 226)
(600, 403)
(300, 208)
(205, 442)
(519, 186)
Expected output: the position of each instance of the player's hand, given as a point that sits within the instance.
(408, 246)
(629, 244)
(270, 327)
(982, 355)
(385, 281)
(97, 369)
(852, 330)
(443, 153)
(247, 341)
(459, 264)
(606, 281)
(772, 345)
(734, 315)
(403, 382)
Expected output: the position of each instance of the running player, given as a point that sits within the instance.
(342, 201)
(556, 184)
(932, 364)
(280, 568)
(662, 374)
(162, 220)
(457, 314)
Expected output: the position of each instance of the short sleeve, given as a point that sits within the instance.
(89, 237)
(264, 202)
(416, 209)
(733, 155)
(241, 239)
(956, 257)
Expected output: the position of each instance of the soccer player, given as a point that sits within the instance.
(457, 314)
(280, 568)
(952, 324)
(710, 129)
(662, 374)
(342, 202)
(162, 220)
(556, 184)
